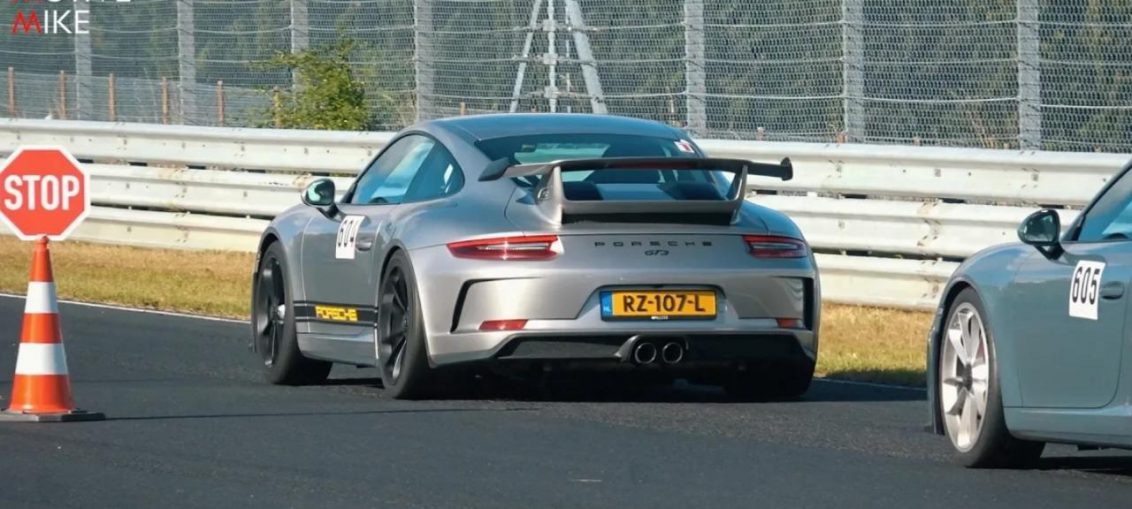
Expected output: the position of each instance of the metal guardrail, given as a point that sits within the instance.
(890, 222)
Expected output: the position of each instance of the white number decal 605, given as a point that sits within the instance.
(1084, 289)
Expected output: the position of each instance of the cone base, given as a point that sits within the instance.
(72, 416)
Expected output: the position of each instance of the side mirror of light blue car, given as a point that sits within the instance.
(1042, 230)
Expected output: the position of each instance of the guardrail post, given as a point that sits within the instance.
(695, 73)
(853, 69)
(84, 78)
(186, 58)
(423, 59)
(1029, 76)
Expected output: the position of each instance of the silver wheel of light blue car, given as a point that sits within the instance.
(964, 376)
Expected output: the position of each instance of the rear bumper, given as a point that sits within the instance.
(701, 347)
(561, 303)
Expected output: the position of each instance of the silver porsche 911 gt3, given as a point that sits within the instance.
(522, 243)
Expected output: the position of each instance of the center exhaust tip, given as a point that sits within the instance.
(644, 353)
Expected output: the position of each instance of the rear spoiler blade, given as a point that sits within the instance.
(501, 169)
(551, 196)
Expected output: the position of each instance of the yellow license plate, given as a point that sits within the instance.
(659, 305)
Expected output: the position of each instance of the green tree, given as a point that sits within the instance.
(327, 94)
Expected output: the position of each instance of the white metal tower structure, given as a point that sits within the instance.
(575, 25)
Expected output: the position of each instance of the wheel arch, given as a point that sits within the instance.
(395, 248)
(268, 238)
(291, 244)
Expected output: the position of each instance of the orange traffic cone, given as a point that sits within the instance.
(41, 389)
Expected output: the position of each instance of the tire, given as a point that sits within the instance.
(779, 382)
(967, 381)
(401, 342)
(273, 325)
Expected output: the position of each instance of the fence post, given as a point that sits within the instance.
(300, 33)
(84, 78)
(12, 92)
(277, 107)
(112, 100)
(164, 100)
(853, 68)
(186, 58)
(62, 95)
(551, 90)
(695, 74)
(300, 26)
(423, 59)
(220, 103)
(1029, 76)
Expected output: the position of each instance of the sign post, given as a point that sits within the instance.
(44, 192)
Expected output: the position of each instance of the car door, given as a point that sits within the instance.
(341, 254)
(1071, 309)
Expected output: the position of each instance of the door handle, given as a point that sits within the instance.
(1112, 290)
(365, 242)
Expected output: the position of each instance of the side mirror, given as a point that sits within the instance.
(320, 194)
(1042, 229)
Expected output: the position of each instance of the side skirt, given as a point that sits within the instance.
(356, 349)
(337, 332)
(1102, 426)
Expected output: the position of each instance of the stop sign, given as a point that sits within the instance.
(43, 192)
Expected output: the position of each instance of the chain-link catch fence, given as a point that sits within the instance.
(1031, 74)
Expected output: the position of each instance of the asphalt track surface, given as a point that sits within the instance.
(190, 424)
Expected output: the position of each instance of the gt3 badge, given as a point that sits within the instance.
(347, 241)
(1084, 290)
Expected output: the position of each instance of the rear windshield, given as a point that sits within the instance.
(612, 183)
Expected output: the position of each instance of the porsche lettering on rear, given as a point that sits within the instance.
(652, 243)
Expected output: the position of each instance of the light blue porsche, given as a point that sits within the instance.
(1030, 342)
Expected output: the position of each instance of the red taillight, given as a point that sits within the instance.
(774, 246)
(503, 325)
(526, 247)
(789, 323)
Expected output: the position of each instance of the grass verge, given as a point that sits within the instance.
(858, 343)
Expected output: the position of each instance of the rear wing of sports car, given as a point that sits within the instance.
(551, 195)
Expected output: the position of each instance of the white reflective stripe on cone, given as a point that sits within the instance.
(41, 359)
(41, 298)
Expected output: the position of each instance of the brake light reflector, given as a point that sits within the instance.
(524, 247)
(775, 246)
(503, 325)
